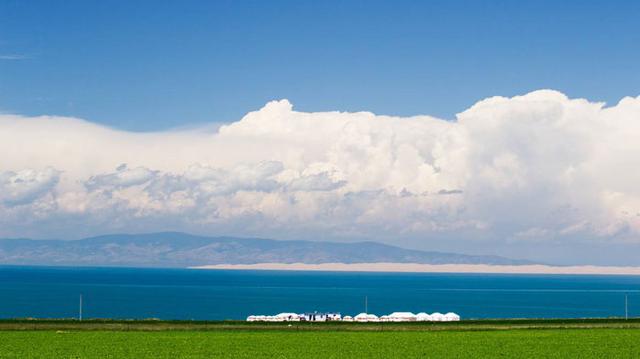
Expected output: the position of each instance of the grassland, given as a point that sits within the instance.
(480, 339)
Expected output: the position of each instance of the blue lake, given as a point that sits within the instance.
(53, 292)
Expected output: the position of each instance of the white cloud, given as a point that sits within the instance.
(122, 178)
(527, 168)
(12, 57)
(26, 186)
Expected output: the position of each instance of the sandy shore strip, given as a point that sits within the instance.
(430, 268)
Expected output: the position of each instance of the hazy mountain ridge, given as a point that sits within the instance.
(171, 249)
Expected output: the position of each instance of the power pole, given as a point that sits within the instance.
(626, 306)
(366, 305)
(80, 309)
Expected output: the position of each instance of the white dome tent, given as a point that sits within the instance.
(288, 317)
(451, 317)
(372, 318)
(362, 317)
(402, 317)
(437, 317)
(423, 317)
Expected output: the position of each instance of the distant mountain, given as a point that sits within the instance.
(172, 249)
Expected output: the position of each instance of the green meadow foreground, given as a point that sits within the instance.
(594, 339)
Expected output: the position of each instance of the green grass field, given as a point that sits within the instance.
(91, 340)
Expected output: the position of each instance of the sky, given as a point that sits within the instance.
(149, 65)
(481, 127)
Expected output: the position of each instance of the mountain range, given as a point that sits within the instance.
(174, 249)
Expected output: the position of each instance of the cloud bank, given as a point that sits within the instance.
(529, 168)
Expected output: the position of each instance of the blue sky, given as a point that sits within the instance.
(149, 65)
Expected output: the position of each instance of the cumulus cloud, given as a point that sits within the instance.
(122, 178)
(26, 186)
(529, 168)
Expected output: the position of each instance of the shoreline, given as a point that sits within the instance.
(430, 268)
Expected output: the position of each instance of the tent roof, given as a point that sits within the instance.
(288, 315)
(401, 314)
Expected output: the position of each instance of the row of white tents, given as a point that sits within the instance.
(404, 317)
(282, 317)
(362, 317)
(294, 317)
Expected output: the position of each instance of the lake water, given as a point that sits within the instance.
(53, 292)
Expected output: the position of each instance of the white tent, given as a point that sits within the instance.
(251, 318)
(451, 317)
(384, 318)
(315, 317)
(362, 317)
(402, 317)
(288, 317)
(437, 317)
(347, 318)
(423, 317)
(372, 318)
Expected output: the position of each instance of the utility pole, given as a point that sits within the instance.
(366, 305)
(80, 309)
(626, 306)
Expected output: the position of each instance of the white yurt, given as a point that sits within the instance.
(362, 317)
(402, 317)
(384, 318)
(451, 317)
(372, 318)
(251, 318)
(347, 318)
(437, 317)
(423, 317)
(286, 317)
